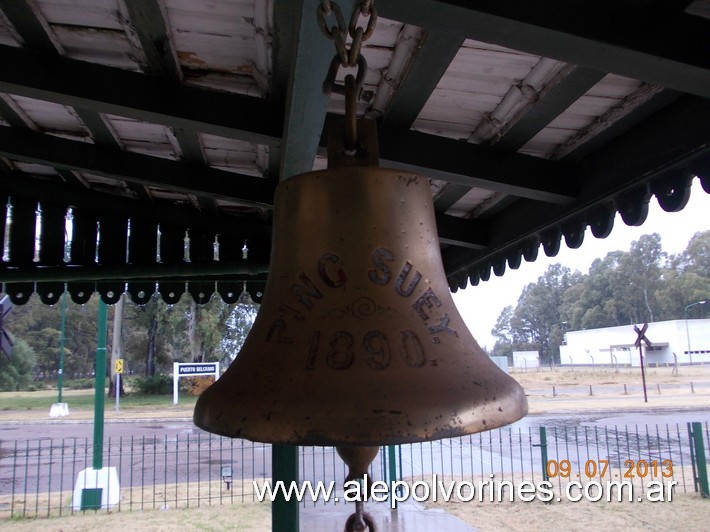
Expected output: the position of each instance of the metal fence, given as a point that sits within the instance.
(38, 477)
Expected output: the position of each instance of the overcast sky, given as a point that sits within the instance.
(481, 305)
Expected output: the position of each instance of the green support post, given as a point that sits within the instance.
(284, 463)
(60, 377)
(701, 467)
(100, 386)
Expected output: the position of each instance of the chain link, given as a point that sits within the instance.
(347, 57)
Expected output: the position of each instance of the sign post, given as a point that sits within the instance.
(192, 369)
(118, 369)
(641, 333)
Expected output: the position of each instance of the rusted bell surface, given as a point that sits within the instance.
(357, 341)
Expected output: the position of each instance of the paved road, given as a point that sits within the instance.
(68, 428)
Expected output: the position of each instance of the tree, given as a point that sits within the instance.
(641, 269)
(16, 371)
(678, 290)
(503, 334)
(206, 326)
(40, 326)
(640, 285)
(538, 311)
(696, 257)
(237, 326)
(597, 305)
(144, 346)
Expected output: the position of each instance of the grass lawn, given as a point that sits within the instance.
(84, 399)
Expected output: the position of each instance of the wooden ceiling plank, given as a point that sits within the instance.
(139, 168)
(551, 104)
(551, 101)
(658, 43)
(31, 26)
(12, 117)
(472, 165)
(150, 99)
(430, 63)
(614, 169)
(109, 90)
(146, 17)
(461, 233)
(192, 154)
(103, 136)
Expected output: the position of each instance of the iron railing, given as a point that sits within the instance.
(38, 477)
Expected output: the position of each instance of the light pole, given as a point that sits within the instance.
(687, 331)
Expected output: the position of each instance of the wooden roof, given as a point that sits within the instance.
(156, 119)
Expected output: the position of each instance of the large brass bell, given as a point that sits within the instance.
(358, 341)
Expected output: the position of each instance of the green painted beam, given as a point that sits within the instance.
(306, 105)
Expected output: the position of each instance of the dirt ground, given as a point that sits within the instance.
(686, 512)
(666, 392)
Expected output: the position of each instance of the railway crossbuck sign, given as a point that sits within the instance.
(641, 337)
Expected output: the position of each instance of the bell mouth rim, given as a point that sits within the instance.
(383, 433)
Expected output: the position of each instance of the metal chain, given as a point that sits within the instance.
(347, 57)
(339, 32)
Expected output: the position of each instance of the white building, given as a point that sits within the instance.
(689, 340)
(526, 359)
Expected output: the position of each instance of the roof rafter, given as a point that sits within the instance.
(147, 18)
(614, 169)
(134, 95)
(306, 105)
(472, 165)
(110, 90)
(663, 46)
(432, 58)
(30, 25)
(135, 167)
